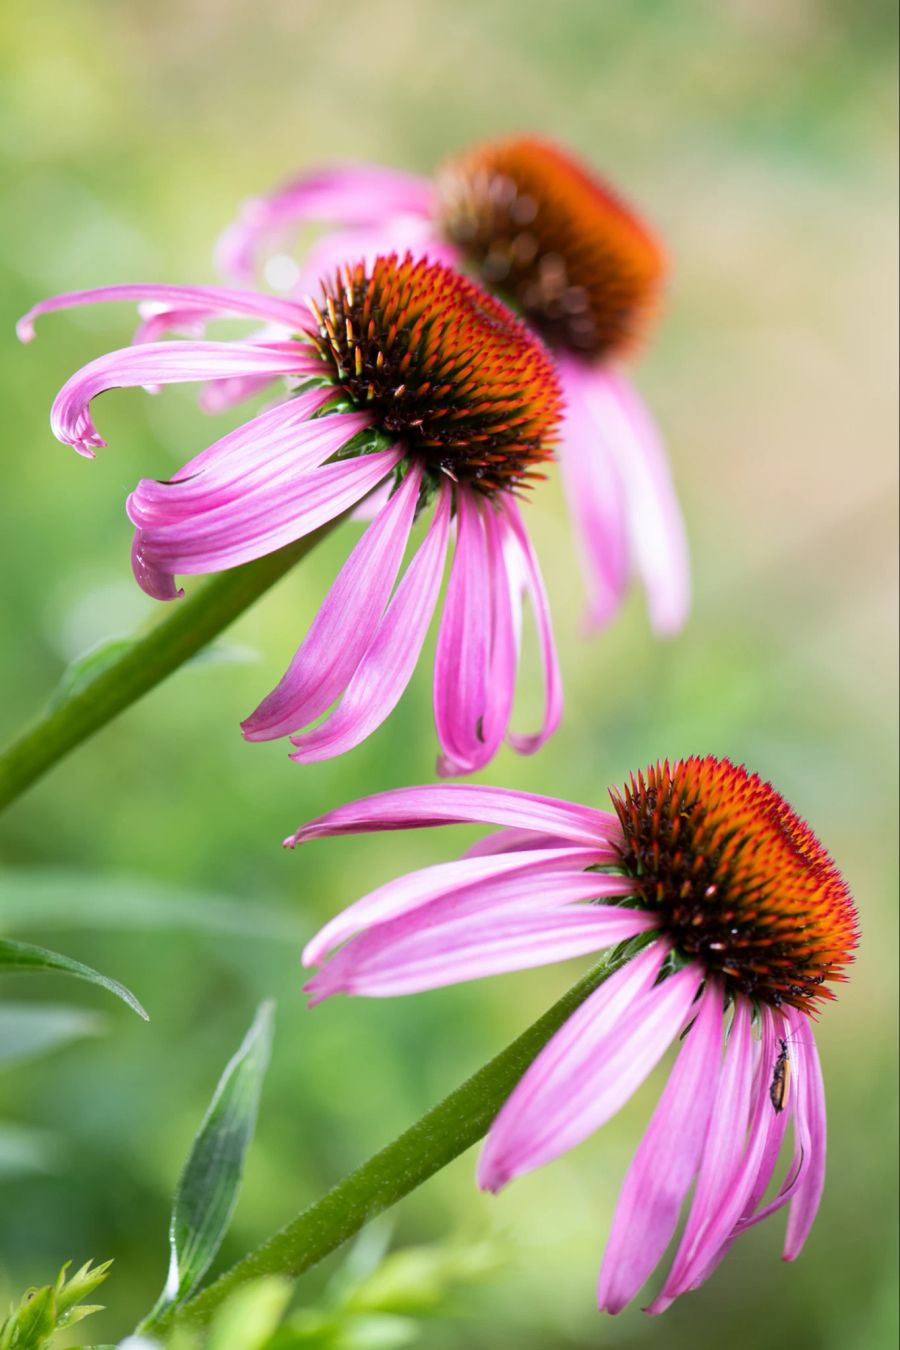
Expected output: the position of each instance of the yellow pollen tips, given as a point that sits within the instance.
(739, 880)
(546, 232)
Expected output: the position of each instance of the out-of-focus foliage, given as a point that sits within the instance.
(760, 138)
(41, 1313)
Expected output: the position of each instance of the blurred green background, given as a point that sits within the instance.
(760, 138)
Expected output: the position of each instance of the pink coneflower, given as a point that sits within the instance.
(735, 918)
(406, 377)
(544, 232)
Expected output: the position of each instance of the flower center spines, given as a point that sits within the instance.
(444, 367)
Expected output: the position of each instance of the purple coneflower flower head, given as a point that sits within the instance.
(407, 379)
(540, 229)
(734, 920)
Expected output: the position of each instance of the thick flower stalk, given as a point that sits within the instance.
(736, 922)
(410, 388)
(541, 230)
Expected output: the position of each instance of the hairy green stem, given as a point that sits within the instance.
(190, 623)
(441, 1135)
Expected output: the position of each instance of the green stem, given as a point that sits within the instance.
(190, 624)
(441, 1135)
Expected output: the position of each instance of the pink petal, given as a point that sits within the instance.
(189, 301)
(717, 1202)
(409, 893)
(353, 194)
(345, 625)
(594, 493)
(417, 808)
(525, 571)
(810, 1126)
(461, 665)
(517, 841)
(397, 234)
(266, 519)
(165, 363)
(386, 669)
(442, 945)
(655, 523)
(664, 1165)
(590, 1068)
(281, 439)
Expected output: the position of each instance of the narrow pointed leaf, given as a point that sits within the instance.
(21, 956)
(208, 1189)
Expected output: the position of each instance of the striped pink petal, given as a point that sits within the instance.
(594, 494)
(666, 1161)
(810, 1137)
(189, 303)
(352, 194)
(417, 808)
(158, 363)
(264, 519)
(717, 1203)
(345, 623)
(590, 1068)
(410, 892)
(386, 669)
(470, 936)
(525, 578)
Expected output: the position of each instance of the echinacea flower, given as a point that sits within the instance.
(541, 230)
(407, 378)
(735, 921)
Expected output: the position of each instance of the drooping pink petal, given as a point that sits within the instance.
(159, 585)
(416, 808)
(666, 1161)
(590, 1068)
(595, 496)
(409, 893)
(350, 194)
(218, 396)
(810, 1136)
(524, 569)
(461, 663)
(202, 302)
(518, 841)
(158, 363)
(265, 520)
(345, 624)
(655, 524)
(717, 1201)
(504, 930)
(384, 672)
(281, 438)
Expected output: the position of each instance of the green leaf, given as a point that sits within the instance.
(42, 1312)
(208, 1189)
(84, 669)
(251, 1315)
(23, 956)
(29, 1029)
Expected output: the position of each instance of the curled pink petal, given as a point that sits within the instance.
(159, 363)
(810, 1139)
(419, 808)
(345, 624)
(443, 947)
(264, 519)
(590, 1068)
(386, 669)
(199, 301)
(666, 1161)
(351, 194)
(410, 892)
(523, 561)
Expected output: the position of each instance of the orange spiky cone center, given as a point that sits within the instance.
(739, 880)
(541, 229)
(445, 368)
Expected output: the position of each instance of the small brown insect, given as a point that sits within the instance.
(781, 1078)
